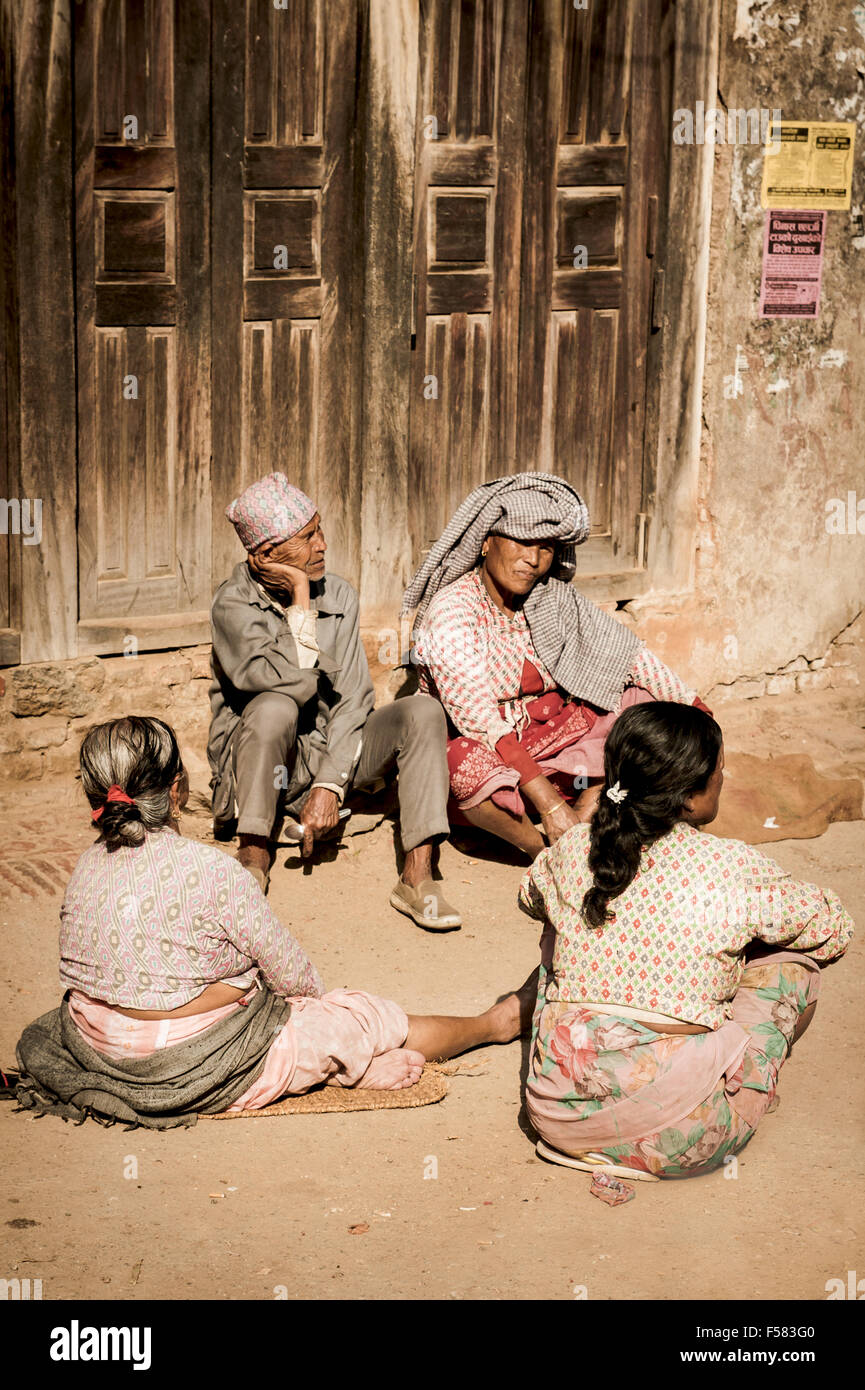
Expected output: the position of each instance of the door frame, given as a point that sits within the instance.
(677, 354)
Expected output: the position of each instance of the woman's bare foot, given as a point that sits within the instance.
(392, 1071)
(587, 801)
(511, 1017)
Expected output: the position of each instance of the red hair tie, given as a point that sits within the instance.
(115, 793)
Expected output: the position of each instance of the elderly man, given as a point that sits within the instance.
(293, 726)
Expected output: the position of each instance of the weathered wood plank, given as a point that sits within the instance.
(192, 408)
(101, 637)
(229, 40)
(600, 289)
(10, 546)
(394, 122)
(456, 164)
(594, 164)
(43, 165)
(510, 135)
(135, 304)
(339, 470)
(631, 35)
(300, 167)
(259, 88)
(118, 167)
(144, 322)
(459, 292)
(10, 646)
(543, 107)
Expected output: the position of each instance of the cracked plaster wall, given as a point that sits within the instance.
(783, 401)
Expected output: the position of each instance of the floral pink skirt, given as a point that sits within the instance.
(670, 1104)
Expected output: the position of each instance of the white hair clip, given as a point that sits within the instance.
(617, 793)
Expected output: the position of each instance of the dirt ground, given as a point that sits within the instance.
(495, 1222)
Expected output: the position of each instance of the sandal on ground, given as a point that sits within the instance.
(593, 1163)
(425, 905)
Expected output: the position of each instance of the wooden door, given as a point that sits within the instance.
(287, 260)
(142, 114)
(590, 230)
(539, 173)
(469, 172)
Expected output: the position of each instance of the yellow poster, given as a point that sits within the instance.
(810, 167)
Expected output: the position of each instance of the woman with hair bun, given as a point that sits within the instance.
(184, 993)
(666, 1005)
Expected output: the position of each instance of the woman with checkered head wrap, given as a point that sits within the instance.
(531, 673)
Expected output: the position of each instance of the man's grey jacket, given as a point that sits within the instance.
(254, 651)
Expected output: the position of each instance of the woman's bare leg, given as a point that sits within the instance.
(439, 1036)
(804, 1020)
(492, 818)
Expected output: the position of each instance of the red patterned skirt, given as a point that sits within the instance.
(566, 740)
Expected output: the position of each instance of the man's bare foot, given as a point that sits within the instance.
(254, 852)
(393, 1071)
(417, 865)
(511, 1017)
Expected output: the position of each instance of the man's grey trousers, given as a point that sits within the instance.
(407, 736)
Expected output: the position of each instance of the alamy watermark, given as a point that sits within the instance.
(845, 516)
(737, 126)
(21, 517)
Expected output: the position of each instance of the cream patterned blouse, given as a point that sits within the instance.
(675, 945)
(149, 926)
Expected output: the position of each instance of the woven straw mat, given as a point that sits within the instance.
(432, 1087)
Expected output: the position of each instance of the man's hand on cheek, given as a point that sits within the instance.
(281, 574)
(319, 816)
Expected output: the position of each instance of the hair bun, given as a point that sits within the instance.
(121, 810)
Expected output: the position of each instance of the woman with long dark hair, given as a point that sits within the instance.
(184, 993)
(666, 1004)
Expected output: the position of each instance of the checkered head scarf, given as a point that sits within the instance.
(272, 509)
(588, 652)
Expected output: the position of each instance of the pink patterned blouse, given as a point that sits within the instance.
(472, 656)
(675, 943)
(150, 926)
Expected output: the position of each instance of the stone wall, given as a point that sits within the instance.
(46, 708)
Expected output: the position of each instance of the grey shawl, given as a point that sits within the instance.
(587, 651)
(61, 1074)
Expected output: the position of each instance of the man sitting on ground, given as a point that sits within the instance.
(292, 704)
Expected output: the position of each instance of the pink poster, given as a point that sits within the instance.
(792, 264)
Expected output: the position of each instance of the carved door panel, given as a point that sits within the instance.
(143, 321)
(590, 227)
(469, 171)
(286, 259)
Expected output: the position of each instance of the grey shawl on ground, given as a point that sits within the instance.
(587, 651)
(61, 1074)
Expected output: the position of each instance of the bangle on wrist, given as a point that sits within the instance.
(550, 809)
